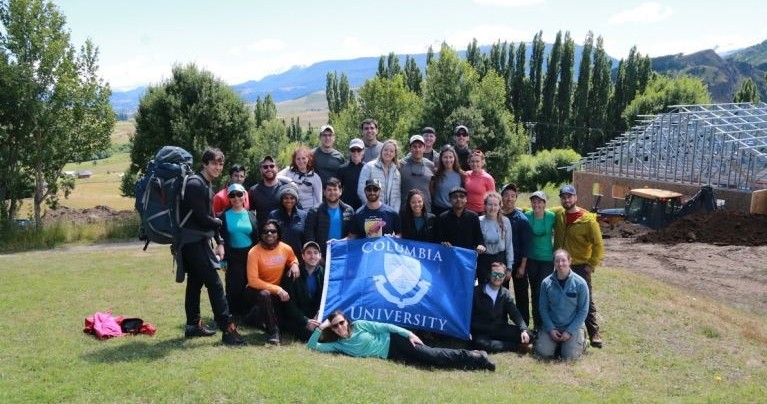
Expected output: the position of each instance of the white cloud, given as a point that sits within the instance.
(643, 13)
(266, 45)
(509, 3)
(487, 34)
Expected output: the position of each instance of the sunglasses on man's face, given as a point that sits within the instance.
(462, 134)
(269, 231)
(497, 275)
(267, 166)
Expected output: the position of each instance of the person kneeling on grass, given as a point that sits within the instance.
(564, 305)
(372, 339)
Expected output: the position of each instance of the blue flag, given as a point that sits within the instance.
(409, 283)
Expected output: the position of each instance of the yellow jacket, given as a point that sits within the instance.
(582, 239)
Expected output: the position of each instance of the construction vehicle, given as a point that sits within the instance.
(657, 208)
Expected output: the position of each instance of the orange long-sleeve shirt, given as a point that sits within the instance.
(266, 267)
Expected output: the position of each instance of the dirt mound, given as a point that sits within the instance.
(622, 229)
(90, 215)
(722, 227)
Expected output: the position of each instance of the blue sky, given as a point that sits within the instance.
(240, 40)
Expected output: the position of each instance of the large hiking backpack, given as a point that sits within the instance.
(159, 193)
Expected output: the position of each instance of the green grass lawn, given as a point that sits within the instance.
(662, 344)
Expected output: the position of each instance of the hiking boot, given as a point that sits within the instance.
(274, 337)
(596, 340)
(231, 337)
(198, 330)
(483, 361)
(525, 349)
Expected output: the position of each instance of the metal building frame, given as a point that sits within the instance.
(724, 145)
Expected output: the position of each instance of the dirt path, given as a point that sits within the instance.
(734, 275)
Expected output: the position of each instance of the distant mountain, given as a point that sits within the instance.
(723, 76)
(755, 55)
(301, 81)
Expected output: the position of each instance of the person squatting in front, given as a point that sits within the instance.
(267, 263)
(196, 256)
(493, 307)
(365, 339)
(564, 305)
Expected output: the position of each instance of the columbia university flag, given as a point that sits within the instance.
(408, 283)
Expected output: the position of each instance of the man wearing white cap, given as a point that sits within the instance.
(327, 160)
(577, 231)
(416, 171)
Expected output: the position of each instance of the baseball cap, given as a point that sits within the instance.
(456, 190)
(428, 129)
(416, 138)
(327, 127)
(538, 194)
(372, 183)
(356, 143)
(567, 189)
(267, 158)
(459, 128)
(310, 244)
(234, 188)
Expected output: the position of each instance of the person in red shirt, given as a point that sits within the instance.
(267, 262)
(478, 183)
(221, 203)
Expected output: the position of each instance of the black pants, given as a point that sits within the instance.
(198, 263)
(237, 280)
(266, 310)
(521, 296)
(537, 271)
(400, 349)
(591, 319)
(507, 337)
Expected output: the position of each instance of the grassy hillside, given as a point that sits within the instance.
(662, 344)
(312, 109)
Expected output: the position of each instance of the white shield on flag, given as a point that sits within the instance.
(402, 272)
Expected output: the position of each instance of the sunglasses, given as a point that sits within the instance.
(269, 231)
(356, 150)
(338, 324)
(497, 275)
(236, 194)
(462, 134)
(372, 189)
(267, 166)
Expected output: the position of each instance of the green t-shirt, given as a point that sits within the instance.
(541, 244)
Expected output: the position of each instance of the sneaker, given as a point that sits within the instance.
(274, 337)
(596, 340)
(198, 330)
(232, 338)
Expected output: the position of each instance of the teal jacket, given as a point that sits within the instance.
(367, 339)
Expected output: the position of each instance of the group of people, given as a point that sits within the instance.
(270, 238)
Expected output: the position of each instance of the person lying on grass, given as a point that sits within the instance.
(372, 339)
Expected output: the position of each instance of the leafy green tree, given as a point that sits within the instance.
(265, 110)
(64, 104)
(663, 91)
(546, 117)
(532, 173)
(413, 75)
(193, 109)
(394, 106)
(747, 92)
(564, 92)
(447, 87)
(599, 95)
(533, 96)
(338, 92)
(519, 85)
(630, 81)
(388, 66)
(581, 97)
(429, 55)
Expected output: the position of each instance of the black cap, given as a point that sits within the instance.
(372, 183)
(456, 190)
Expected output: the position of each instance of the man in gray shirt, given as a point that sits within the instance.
(416, 171)
(369, 128)
(327, 160)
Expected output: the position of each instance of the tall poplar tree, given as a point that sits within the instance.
(564, 92)
(599, 95)
(519, 86)
(546, 118)
(581, 96)
(413, 75)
